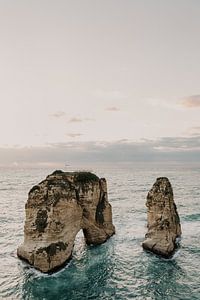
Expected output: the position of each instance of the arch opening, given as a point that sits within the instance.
(79, 245)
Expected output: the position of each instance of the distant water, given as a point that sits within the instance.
(118, 269)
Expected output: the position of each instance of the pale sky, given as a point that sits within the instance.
(90, 71)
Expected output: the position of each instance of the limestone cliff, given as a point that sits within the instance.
(162, 219)
(56, 209)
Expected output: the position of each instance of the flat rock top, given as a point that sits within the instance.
(79, 176)
(61, 184)
(58, 176)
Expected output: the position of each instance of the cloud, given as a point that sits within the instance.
(58, 114)
(79, 120)
(75, 120)
(89, 119)
(191, 101)
(74, 135)
(193, 131)
(169, 104)
(177, 149)
(178, 144)
(112, 108)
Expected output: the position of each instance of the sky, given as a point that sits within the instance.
(107, 80)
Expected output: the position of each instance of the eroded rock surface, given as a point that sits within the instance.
(56, 209)
(163, 221)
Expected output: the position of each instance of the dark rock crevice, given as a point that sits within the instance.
(41, 220)
(100, 209)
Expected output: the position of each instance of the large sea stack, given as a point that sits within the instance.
(163, 221)
(56, 210)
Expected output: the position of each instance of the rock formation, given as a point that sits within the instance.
(162, 219)
(57, 208)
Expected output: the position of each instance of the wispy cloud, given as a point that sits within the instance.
(75, 120)
(74, 135)
(58, 114)
(183, 149)
(79, 120)
(112, 108)
(191, 101)
(163, 103)
(193, 131)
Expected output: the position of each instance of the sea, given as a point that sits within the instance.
(120, 268)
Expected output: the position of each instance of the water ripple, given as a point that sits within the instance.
(118, 269)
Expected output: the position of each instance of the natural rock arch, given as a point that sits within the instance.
(56, 210)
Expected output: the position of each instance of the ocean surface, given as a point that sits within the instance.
(118, 269)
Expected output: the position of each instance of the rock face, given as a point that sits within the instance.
(162, 218)
(57, 208)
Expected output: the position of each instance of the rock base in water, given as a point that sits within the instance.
(162, 218)
(56, 210)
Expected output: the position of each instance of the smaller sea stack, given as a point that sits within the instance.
(163, 221)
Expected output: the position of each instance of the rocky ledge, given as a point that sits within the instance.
(56, 210)
(163, 221)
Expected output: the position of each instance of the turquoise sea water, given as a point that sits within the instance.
(118, 269)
